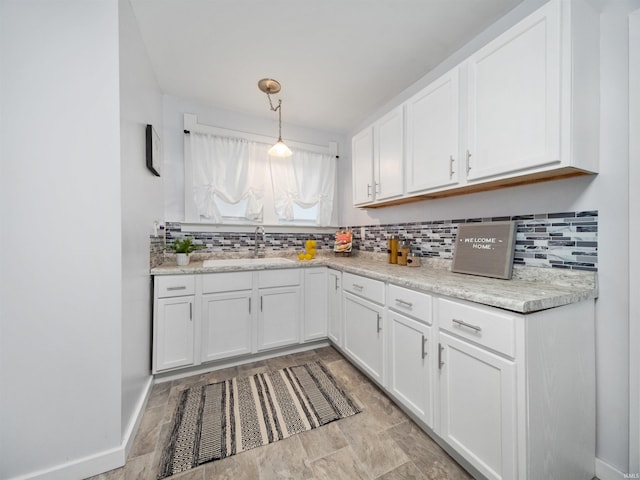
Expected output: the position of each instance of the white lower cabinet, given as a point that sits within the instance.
(208, 317)
(363, 336)
(511, 394)
(175, 339)
(478, 406)
(173, 329)
(334, 299)
(410, 377)
(279, 317)
(226, 325)
(280, 308)
(517, 392)
(315, 304)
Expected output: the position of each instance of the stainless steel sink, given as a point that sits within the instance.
(243, 262)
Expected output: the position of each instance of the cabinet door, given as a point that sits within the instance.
(389, 155)
(334, 291)
(433, 135)
(362, 167)
(514, 98)
(174, 334)
(363, 336)
(279, 317)
(477, 406)
(226, 325)
(315, 303)
(410, 366)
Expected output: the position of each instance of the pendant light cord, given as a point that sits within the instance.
(279, 110)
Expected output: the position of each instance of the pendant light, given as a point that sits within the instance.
(269, 86)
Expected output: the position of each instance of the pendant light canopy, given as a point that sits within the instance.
(269, 86)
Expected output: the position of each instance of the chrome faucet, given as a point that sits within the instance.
(259, 231)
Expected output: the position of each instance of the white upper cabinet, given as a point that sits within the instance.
(533, 95)
(433, 135)
(388, 135)
(524, 108)
(377, 160)
(362, 167)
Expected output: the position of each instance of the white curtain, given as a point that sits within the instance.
(305, 179)
(229, 168)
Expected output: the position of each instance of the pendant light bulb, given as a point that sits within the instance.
(280, 149)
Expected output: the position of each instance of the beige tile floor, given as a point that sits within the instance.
(380, 443)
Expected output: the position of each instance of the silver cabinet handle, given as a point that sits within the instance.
(190, 311)
(377, 187)
(462, 323)
(336, 279)
(424, 350)
(249, 304)
(182, 287)
(369, 194)
(261, 302)
(357, 287)
(451, 172)
(404, 303)
(468, 163)
(440, 362)
(378, 321)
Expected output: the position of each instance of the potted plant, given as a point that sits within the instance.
(183, 247)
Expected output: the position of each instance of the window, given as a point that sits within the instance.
(230, 179)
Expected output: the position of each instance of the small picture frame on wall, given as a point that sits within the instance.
(485, 249)
(154, 151)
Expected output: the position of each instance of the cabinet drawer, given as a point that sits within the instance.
(411, 303)
(226, 282)
(364, 287)
(278, 278)
(174, 285)
(481, 325)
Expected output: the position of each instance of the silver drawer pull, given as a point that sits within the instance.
(357, 287)
(183, 287)
(378, 321)
(403, 303)
(424, 350)
(462, 323)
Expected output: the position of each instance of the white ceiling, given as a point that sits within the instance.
(337, 60)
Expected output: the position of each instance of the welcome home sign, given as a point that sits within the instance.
(485, 249)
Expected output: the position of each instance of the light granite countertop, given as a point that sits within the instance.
(530, 289)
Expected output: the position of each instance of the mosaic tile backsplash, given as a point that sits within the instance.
(156, 246)
(560, 240)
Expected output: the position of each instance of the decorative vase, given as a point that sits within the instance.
(182, 258)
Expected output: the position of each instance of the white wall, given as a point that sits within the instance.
(142, 203)
(607, 192)
(60, 269)
(174, 110)
(634, 233)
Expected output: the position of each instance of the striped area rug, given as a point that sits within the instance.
(221, 419)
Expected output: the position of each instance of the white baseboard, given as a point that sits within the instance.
(81, 468)
(134, 424)
(604, 471)
(99, 462)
